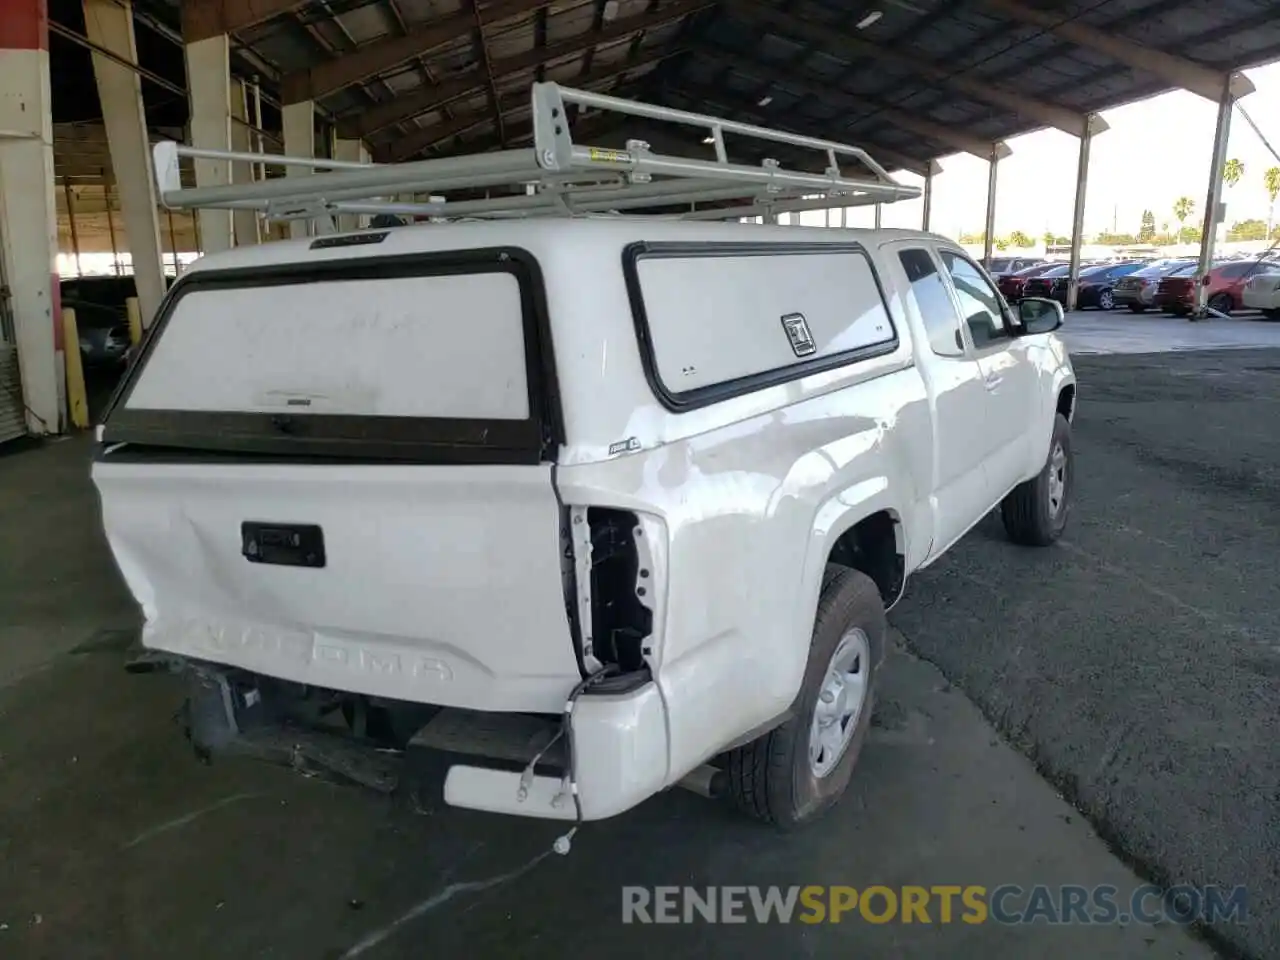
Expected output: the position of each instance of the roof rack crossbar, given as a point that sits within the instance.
(554, 177)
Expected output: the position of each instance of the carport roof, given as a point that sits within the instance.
(910, 80)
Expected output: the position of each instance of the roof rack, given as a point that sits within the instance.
(555, 177)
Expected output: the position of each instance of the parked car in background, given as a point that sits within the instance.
(1011, 284)
(1041, 285)
(102, 319)
(1053, 283)
(1003, 266)
(1225, 284)
(1137, 291)
(1262, 291)
(1097, 284)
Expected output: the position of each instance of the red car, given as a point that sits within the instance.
(1225, 287)
(1011, 284)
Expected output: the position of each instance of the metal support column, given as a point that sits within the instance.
(30, 326)
(1213, 199)
(71, 223)
(244, 221)
(877, 220)
(989, 234)
(173, 243)
(351, 151)
(927, 214)
(299, 122)
(1077, 216)
(109, 24)
(209, 91)
(111, 226)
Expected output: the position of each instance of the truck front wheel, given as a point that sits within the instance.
(1035, 511)
(796, 772)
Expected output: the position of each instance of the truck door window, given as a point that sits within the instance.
(930, 292)
(980, 305)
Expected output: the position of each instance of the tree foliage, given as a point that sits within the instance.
(1020, 240)
(1148, 228)
(1271, 180)
(1232, 171)
(1247, 230)
(1183, 207)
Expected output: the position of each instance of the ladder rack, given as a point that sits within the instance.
(556, 176)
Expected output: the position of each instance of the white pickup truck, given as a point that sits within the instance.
(596, 504)
(670, 473)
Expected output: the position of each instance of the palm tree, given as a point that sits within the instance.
(1183, 207)
(1232, 172)
(1271, 179)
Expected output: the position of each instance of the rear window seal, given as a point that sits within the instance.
(346, 436)
(687, 400)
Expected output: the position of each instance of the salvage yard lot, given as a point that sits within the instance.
(1137, 665)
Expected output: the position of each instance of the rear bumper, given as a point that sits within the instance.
(1126, 296)
(621, 752)
(620, 745)
(1174, 301)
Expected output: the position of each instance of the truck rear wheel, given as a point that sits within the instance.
(797, 771)
(1035, 511)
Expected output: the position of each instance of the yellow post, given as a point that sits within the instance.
(135, 320)
(77, 397)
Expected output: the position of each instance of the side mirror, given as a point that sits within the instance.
(1040, 315)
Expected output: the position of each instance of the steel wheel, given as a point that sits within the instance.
(1057, 479)
(841, 700)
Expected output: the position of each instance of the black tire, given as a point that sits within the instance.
(1028, 516)
(1271, 314)
(1137, 308)
(770, 778)
(1221, 302)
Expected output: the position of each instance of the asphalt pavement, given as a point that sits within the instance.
(1130, 674)
(1138, 662)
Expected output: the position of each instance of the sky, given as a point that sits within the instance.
(1155, 151)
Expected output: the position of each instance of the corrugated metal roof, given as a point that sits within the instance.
(822, 67)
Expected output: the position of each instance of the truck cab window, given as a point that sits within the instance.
(980, 305)
(930, 292)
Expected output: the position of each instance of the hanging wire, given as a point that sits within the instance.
(1261, 136)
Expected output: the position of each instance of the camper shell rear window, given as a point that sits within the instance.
(716, 320)
(441, 357)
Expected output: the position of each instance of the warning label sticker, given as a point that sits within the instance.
(610, 156)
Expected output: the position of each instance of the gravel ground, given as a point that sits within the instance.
(1138, 662)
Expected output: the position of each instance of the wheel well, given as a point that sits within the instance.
(874, 546)
(1067, 400)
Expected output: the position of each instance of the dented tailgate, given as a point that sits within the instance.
(439, 584)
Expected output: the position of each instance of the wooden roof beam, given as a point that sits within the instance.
(202, 19)
(388, 52)
(436, 97)
(406, 147)
(1179, 71)
(847, 46)
(952, 137)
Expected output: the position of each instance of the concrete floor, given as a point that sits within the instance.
(1120, 331)
(1136, 664)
